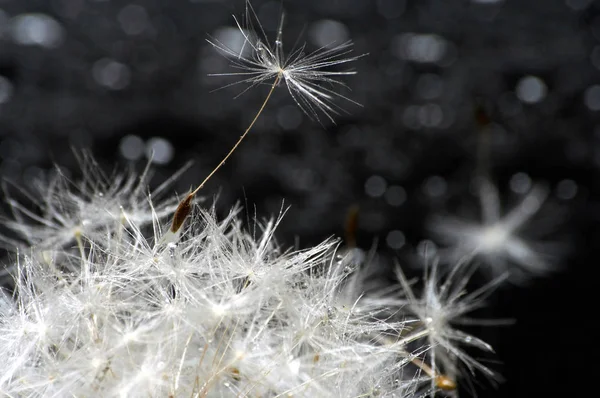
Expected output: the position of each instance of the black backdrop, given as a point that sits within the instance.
(118, 77)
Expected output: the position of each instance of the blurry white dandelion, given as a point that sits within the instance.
(496, 238)
(61, 210)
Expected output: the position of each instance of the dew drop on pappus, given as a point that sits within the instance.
(172, 247)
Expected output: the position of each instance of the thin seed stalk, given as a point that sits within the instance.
(184, 208)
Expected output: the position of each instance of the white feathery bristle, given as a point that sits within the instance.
(123, 312)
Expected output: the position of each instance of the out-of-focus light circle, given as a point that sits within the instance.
(395, 239)
(6, 90)
(410, 117)
(531, 89)
(430, 115)
(304, 179)
(111, 74)
(592, 97)
(232, 39)
(566, 189)
(131, 147)
(159, 150)
(424, 48)
(37, 29)
(520, 183)
(427, 249)
(435, 186)
(133, 19)
(328, 33)
(375, 186)
(395, 195)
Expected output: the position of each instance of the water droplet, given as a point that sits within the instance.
(159, 150)
(172, 247)
(531, 89)
(330, 312)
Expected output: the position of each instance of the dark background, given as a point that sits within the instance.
(123, 77)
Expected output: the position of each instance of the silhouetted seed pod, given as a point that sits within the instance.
(183, 210)
(351, 226)
(235, 374)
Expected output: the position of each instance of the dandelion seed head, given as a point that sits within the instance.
(64, 210)
(111, 299)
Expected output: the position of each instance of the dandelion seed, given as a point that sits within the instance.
(443, 303)
(443, 382)
(182, 211)
(495, 238)
(304, 76)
